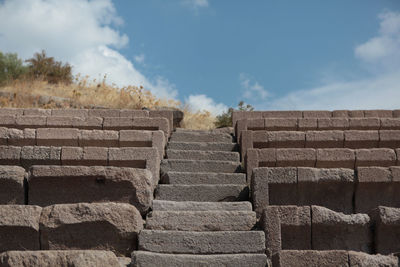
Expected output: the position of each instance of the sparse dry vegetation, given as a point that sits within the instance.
(45, 77)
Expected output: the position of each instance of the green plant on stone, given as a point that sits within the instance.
(11, 67)
(225, 119)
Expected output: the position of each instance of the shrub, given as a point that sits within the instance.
(11, 67)
(43, 67)
(225, 119)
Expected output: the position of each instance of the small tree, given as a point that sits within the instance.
(225, 119)
(11, 67)
(42, 66)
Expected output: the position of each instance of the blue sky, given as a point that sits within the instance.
(213, 53)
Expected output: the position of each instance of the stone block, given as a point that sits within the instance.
(8, 120)
(378, 113)
(357, 259)
(90, 184)
(317, 114)
(131, 113)
(280, 139)
(364, 123)
(311, 258)
(69, 112)
(36, 112)
(389, 138)
(12, 185)
(117, 123)
(333, 124)
(340, 114)
(335, 158)
(334, 230)
(183, 242)
(390, 123)
(101, 138)
(25, 137)
(89, 123)
(19, 227)
(40, 155)
(166, 205)
(30, 121)
(10, 155)
(57, 137)
(286, 227)
(324, 139)
(307, 124)
(356, 113)
(277, 124)
(11, 111)
(48, 258)
(294, 157)
(383, 157)
(168, 114)
(4, 133)
(61, 121)
(282, 114)
(361, 139)
(201, 220)
(377, 186)
(387, 229)
(103, 112)
(99, 226)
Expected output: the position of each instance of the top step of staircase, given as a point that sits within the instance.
(201, 136)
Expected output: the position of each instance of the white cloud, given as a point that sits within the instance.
(81, 32)
(379, 90)
(140, 58)
(253, 91)
(203, 102)
(195, 4)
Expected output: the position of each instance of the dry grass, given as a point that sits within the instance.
(86, 93)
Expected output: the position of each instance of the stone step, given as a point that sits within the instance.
(144, 259)
(164, 205)
(206, 146)
(202, 193)
(224, 242)
(182, 165)
(215, 220)
(202, 155)
(203, 178)
(201, 137)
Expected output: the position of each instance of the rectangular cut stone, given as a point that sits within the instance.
(167, 114)
(282, 114)
(196, 136)
(335, 158)
(259, 158)
(387, 229)
(90, 123)
(361, 139)
(117, 123)
(25, 137)
(331, 188)
(389, 138)
(333, 123)
(324, 139)
(277, 124)
(135, 138)
(202, 155)
(273, 186)
(37, 112)
(255, 124)
(10, 155)
(307, 124)
(4, 133)
(40, 155)
(364, 259)
(131, 113)
(286, 227)
(102, 138)
(311, 258)
(69, 112)
(103, 113)
(30, 121)
(166, 205)
(12, 185)
(281, 139)
(42, 258)
(201, 220)
(224, 242)
(202, 193)
(286, 157)
(317, 114)
(11, 111)
(8, 121)
(151, 124)
(340, 114)
(61, 121)
(90, 184)
(380, 113)
(203, 146)
(71, 155)
(390, 124)
(203, 178)
(334, 230)
(181, 165)
(383, 157)
(19, 227)
(377, 186)
(356, 113)
(98, 226)
(57, 137)
(364, 123)
(145, 258)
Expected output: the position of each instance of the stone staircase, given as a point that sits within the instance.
(201, 214)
